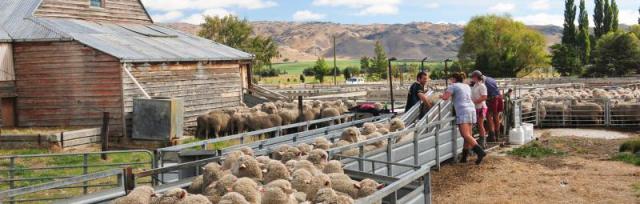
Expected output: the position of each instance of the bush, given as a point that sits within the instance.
(632, 146)
(628, 158)
(309, 71)
(350, 72)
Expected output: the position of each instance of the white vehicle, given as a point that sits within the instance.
(355, 80)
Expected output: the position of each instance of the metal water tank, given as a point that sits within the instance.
(158, 118)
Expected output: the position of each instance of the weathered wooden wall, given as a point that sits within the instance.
(6, 62)
(203, 87)
(130, 11)
(67, 84)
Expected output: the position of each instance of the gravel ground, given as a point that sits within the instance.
(583, 175)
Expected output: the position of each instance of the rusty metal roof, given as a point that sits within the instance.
(127, 42)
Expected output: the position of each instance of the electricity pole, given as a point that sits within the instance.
(335, 65)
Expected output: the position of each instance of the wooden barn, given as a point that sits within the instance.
(64, 62)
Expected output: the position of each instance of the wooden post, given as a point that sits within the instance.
(300, 109)
(104, 134)
(129, 180)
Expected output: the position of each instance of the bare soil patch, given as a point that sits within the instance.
(584, 174)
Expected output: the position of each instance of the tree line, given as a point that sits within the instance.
(607, 51)
(237, 33)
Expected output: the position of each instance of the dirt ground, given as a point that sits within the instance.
(585, 174)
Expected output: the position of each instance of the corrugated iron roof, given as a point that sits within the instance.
(127, 42)
(4, 36)
(16, 19)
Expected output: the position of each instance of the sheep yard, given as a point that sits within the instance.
(395, 155)
(584, 170)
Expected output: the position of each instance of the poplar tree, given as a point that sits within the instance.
(583, 40)
(598, 18)
(569, 32)
(608, 18)
(614, 16)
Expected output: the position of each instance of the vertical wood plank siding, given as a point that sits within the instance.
(127, 11)
(203, 87)
(6, 62)
(67, 84)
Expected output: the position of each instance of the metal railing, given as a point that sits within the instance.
(546, 112)
(18, 171)
(103, 177)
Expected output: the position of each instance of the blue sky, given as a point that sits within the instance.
(533, 12)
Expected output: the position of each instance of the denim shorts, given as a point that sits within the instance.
(466, 116)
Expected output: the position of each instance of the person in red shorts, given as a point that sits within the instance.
(495, 105)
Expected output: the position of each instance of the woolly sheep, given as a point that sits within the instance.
(194, 199)
(342, 183)
(350, 135)
(307, 165)
(293, 153)
(280, 150)
(279, 192)
(196, 185)
(333, 166)
(172, 196)
(233, 198)
(396, 124)
(330, 112)
(322, 143)
(383, 131)
(139, 195)
(368, 128)
(304, 148)
(317, 182)
(275, 170)
(247, 166)
(301, 180)
(249, 189)
(211, 172)
(220, 187)
(318, 158)
(230, 159)
(329, 196)
(247, 151)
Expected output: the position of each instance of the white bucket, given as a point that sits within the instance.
(516, 136)
(528, 132)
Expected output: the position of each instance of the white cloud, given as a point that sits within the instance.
(502, 8)
(433, 5)
(168, 16)
(542, 19)
(198, 19)
(173, 5)
(307, 15)
(366, 7)
(540, 5)
(379, 10)
(629, 17)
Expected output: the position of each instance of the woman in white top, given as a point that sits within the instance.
(479, 96)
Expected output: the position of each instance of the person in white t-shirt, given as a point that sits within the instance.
(479, 96)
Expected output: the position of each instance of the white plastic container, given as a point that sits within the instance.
(528, 132)
(516, 136)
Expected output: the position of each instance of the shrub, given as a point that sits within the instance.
(309, 72)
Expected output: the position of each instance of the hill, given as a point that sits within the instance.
(305, 41)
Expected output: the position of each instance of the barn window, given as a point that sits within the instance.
(97, 3)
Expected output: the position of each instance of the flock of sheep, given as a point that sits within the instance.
(290, 175)
(583, 106)
(241, 119)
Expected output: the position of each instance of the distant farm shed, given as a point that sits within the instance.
(63, 62)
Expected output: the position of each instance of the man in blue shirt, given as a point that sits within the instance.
(495, 105)
(417, 93)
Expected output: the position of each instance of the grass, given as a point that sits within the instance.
(33, 131)
(535, 150)
(23, 168)
(296, 68)
(628, 158)
(636, 188)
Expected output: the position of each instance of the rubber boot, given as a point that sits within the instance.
(465, 155)
(492, 137)
(480, 152)
(482, 141)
